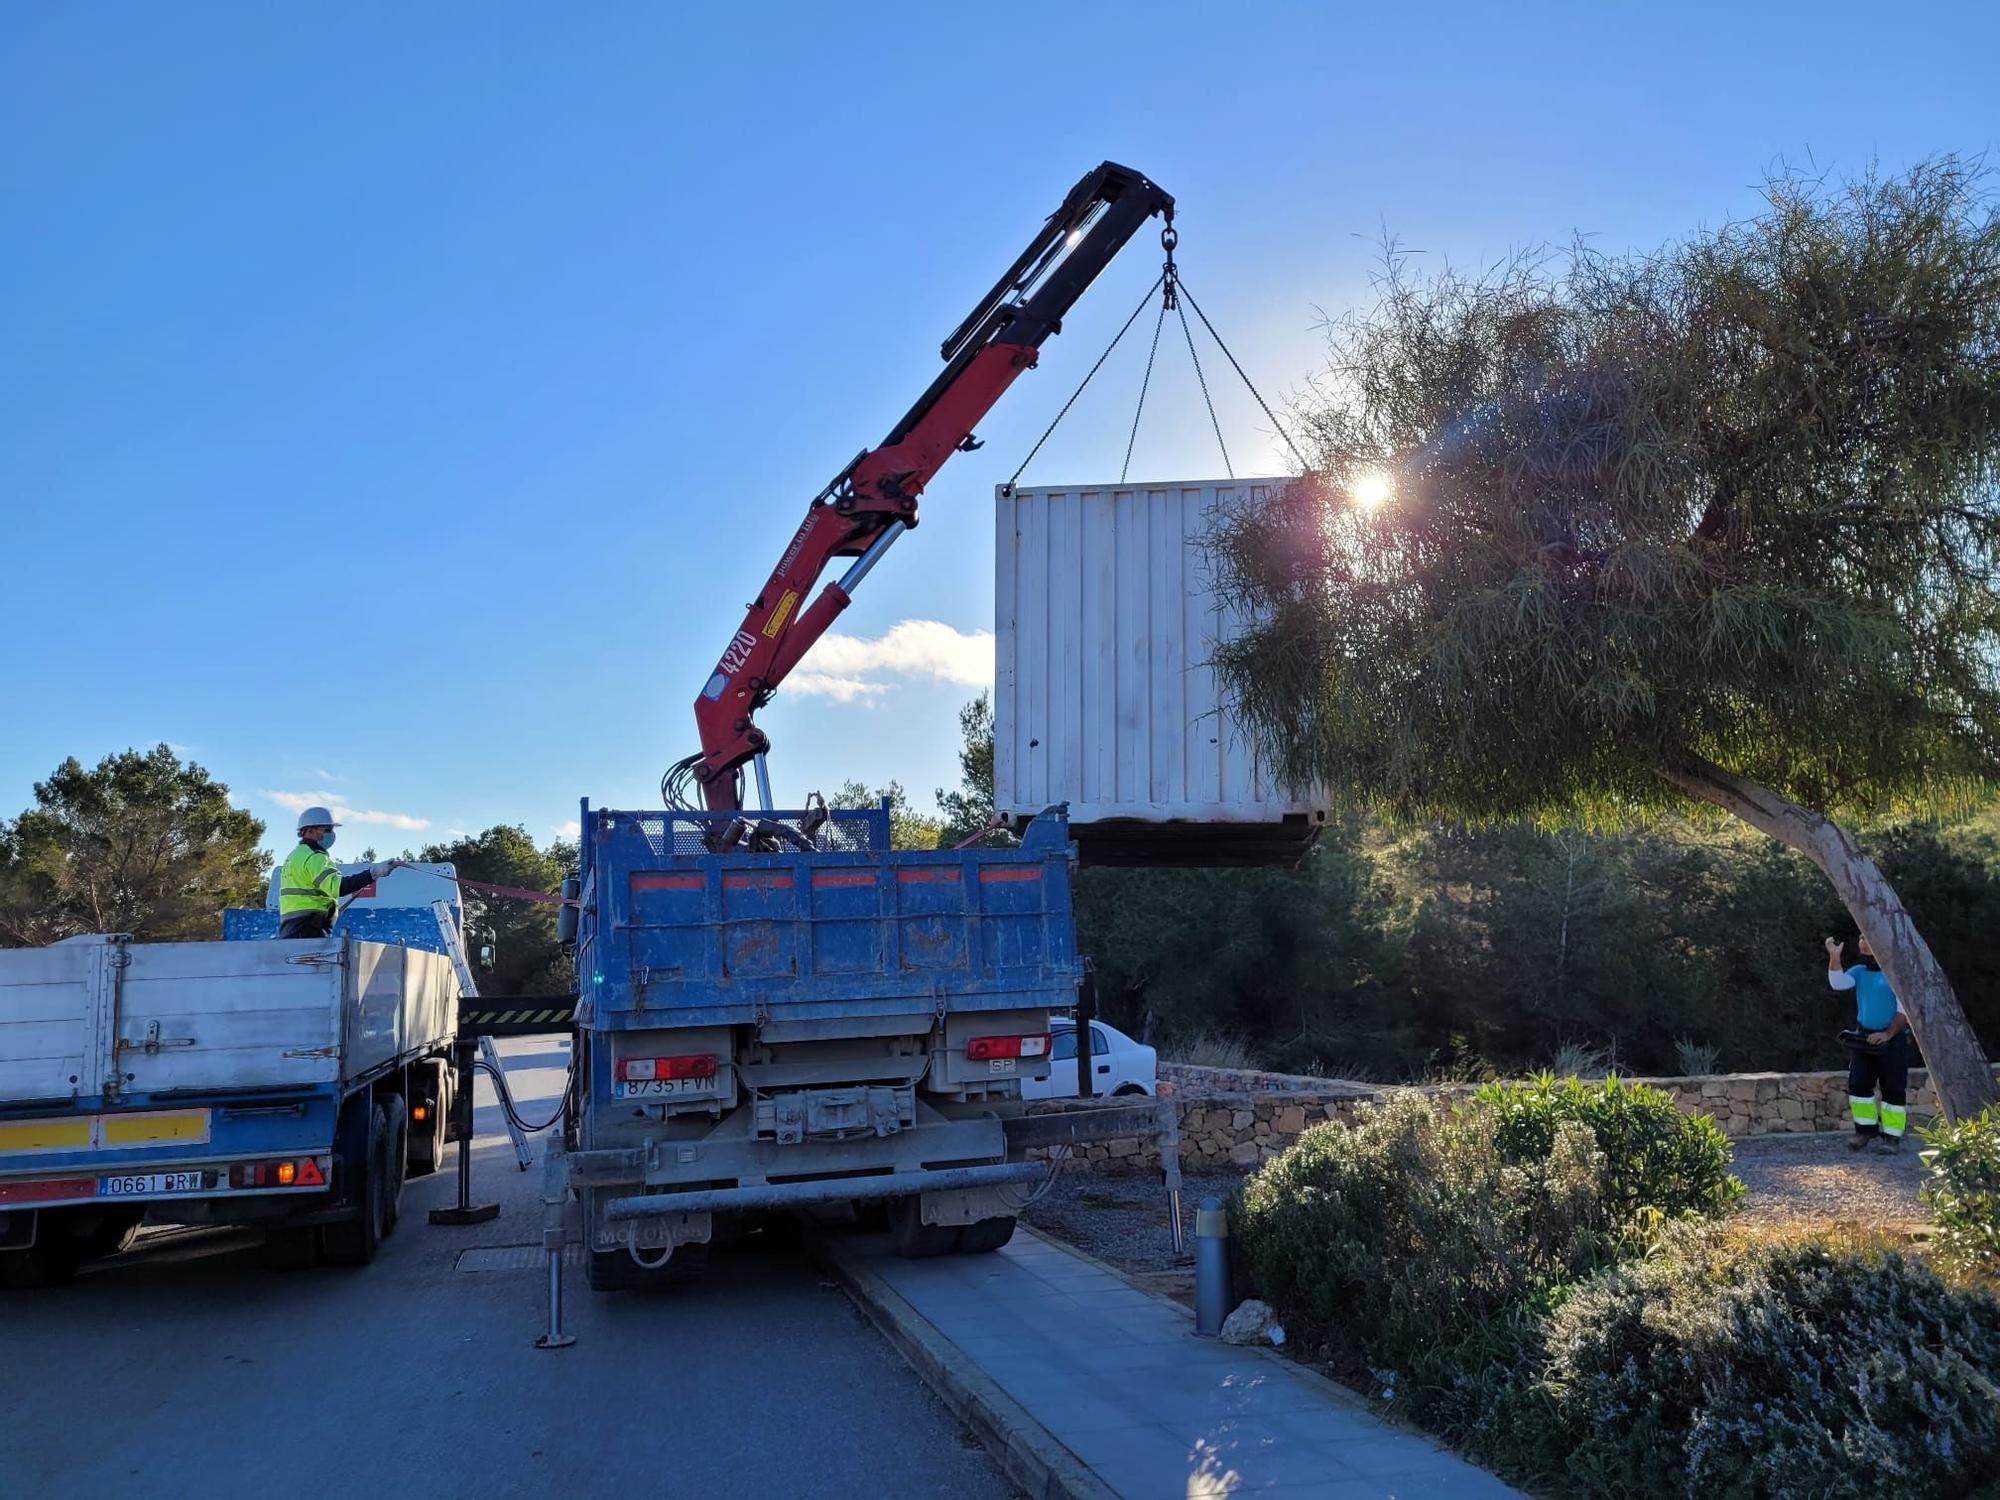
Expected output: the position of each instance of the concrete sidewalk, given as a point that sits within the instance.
(1085, 1386)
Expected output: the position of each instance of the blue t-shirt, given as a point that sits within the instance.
(1874, 1002)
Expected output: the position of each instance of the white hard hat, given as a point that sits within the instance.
(316, 817)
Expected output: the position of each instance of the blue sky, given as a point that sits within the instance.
(400, 402)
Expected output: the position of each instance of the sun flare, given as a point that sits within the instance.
(1371, 488)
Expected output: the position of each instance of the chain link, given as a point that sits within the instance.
(1008, 487)
(1247, 385)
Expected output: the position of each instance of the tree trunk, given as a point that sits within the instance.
(1958, 1067)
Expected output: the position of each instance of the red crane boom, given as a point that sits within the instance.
(873, 500)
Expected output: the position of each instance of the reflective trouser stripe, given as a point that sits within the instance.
(1894, 1118)
(1864, 1109)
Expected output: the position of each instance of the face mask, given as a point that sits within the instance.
(327, 842)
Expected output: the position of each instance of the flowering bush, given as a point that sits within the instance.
(1716, 1367)
(1393, 1244)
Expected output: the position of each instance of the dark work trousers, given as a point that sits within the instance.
(306, 924)
(1886, 1067)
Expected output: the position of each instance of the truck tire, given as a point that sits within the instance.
(427, 1137)
(290, 1248)
(616, 1271)
(911, 1237)
(354, 1242)
(397, 1108)
(985, 1236)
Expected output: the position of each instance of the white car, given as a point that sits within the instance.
(1118, 1065)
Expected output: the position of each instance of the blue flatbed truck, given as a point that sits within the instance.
(839, 1022)
(289, 1085)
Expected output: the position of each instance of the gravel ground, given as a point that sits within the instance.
(1124, 1220)
(1816, 1178)
(1804, 1179)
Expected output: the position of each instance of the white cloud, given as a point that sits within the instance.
(329, 776)
(177, 747)
(839, 689)
(342, 813)
(850, 668)
(571, 829)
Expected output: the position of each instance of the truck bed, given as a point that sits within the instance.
(675, 936)
(101, 1022)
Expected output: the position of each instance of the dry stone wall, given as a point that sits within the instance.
(1232, 1118)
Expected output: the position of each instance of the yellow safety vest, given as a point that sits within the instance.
(310, 882)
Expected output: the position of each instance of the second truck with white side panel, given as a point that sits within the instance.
(288, 1085)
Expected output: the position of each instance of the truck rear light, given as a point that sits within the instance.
(304, 1171)
(639, 1069)
(986, 1048)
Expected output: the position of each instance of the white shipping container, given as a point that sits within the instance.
(1105, 696)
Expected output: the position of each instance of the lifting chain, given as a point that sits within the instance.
(1170, 289)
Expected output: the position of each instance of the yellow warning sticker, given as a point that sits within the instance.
(781, 614)
(44, 1135)
(146, 1129)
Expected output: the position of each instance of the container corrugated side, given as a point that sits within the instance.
(1105, 696)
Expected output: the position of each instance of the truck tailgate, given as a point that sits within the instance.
(678, 938)
(93, 1018)
(216, 1017)
(44, 1020)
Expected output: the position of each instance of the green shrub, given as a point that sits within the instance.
(1695, 1059)
(1716, 1368)
(1964, 1193)
(1657, 1161)
(1409, 1243)
(1210, 1049)
(1575, 1059)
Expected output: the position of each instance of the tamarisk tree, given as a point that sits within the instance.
(1587, 535)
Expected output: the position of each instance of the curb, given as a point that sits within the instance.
(1027, 1452)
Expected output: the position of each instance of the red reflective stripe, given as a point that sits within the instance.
(993, 874)
(842, 877)
(43, 1192)
(927, 876)
(665, 883)
(757, 880)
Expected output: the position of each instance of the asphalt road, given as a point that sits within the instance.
(184, 1368)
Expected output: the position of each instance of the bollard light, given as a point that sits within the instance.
(1211, 1267)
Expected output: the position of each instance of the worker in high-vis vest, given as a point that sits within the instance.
(310, 885)
(1878, 1051)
